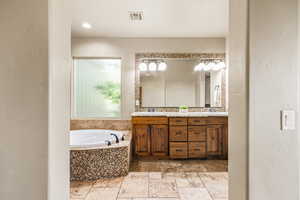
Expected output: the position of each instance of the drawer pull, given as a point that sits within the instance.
(178, 150)
(178, 133)
(197, 149)
(197, 133)
(178, 121)
(197, 121)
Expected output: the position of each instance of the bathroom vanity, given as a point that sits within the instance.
(168, 81)
(180, 135)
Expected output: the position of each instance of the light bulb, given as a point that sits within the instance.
(152, 66)
(202, 66)
(143, 67)
(86, 25)
(216, 67)
(162, 66)
(207, 67)
(222, 65)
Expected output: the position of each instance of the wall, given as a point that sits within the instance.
(34, 103)
(238, 100)
(273, 160)
(24, 99)
(126, 48)
(60, 64)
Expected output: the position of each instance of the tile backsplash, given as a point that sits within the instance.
(77, 124)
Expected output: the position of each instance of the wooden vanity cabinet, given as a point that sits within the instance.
(214, 139)
(180, 137)
(142, 140)
(150, 136)
(159, 140)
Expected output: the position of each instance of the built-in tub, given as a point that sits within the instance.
(99, 153)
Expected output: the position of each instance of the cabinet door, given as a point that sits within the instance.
(142, 140)
(225, 141)
(159, 140)
(214, 139)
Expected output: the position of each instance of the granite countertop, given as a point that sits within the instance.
(178, 114)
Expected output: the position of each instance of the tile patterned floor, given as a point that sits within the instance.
(144, 165)
(168, 180)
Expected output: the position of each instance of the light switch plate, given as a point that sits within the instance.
(288, 120)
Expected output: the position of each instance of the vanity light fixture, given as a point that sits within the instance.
(143, 67)
(197, 68)
(210, 66)
(215, 66)
(222, 65)
(86, 25)
(152, 66)
(162, 66)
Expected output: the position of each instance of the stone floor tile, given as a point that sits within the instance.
(103, 194)
(189, 180)
(134, 188)
(194, 194)
(79, 190)
(133, 176)
(155, 199)
(162, 188)
(109, 182)
(216, 184)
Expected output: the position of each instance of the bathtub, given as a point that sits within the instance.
(96, 154)
(95, 138)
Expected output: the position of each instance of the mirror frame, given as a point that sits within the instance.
(138, 98)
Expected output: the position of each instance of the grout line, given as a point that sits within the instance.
(177, 190)
(203, 182)
(121, 187)
(148, 196)
(87, 194)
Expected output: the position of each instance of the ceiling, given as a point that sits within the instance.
(162, 18)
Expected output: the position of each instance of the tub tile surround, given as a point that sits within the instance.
(89, 165)
(94, 163)
(77, 124)
(156, 186)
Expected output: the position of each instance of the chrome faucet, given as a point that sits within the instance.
(151, 109)
(212, 110)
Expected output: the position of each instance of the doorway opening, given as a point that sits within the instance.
(149, 101)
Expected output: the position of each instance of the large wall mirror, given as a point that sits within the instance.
(173, 80)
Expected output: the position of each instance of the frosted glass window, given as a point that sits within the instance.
(97, 88)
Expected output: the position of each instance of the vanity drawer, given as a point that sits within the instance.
(216, 120)
(197, 149)
(150, 120)
(196, 121)
(197, 133)
(178, 121)
(178, 133)
(178, 149)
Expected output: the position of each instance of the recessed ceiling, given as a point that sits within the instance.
(160, 18)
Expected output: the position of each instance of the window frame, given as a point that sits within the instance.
(73, 99)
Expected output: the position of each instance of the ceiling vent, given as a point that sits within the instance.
(136, 15)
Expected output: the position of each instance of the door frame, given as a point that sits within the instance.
(59, 33)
